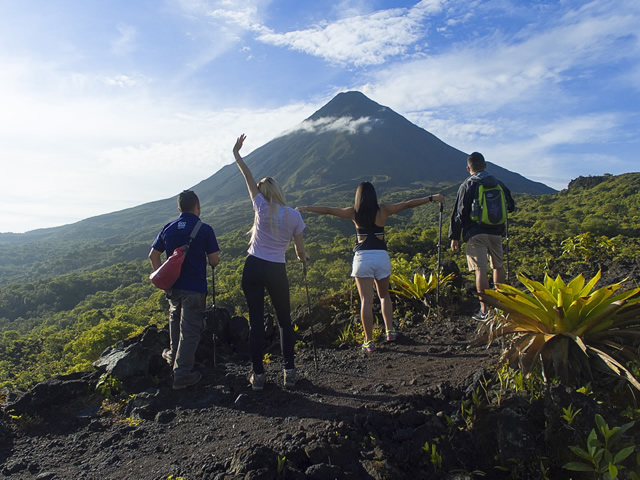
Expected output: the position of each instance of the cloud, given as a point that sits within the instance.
(540, 152)
(500, 70)
(528, 94)
(101, 154)
(358, 40)
(326, 124)
(125, 43)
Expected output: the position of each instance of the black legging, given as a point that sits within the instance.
(257, 275)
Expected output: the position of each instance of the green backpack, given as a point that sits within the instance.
(490, 206)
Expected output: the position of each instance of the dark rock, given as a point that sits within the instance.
(318, 452)
(261, 460)
(46, 476)
(15, 466)
(53, 392)
(238, 336)
(125, 363)
(324, 471)
(412, 418)
(516, 437)
(165, 416)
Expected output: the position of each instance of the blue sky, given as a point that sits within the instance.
(111, 104)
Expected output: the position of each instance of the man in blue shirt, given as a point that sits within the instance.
(188, 296)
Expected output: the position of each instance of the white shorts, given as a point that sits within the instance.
(371, 264)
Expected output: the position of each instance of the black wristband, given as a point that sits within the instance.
(431, 198)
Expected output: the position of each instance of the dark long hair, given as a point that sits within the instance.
(366, 205)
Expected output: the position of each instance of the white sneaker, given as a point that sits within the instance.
(481, 316)
(290, 378)
(257, 381)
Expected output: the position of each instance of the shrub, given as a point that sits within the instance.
(567, 328)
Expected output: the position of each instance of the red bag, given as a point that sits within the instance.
(167, 273)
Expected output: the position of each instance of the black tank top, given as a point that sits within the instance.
(372, 241)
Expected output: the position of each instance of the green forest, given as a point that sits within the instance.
(59, 317)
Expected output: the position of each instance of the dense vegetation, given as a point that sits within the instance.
(81, 302)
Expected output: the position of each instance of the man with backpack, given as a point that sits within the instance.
(187, 297)
(480, 215)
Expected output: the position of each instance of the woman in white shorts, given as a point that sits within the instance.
(371, 260)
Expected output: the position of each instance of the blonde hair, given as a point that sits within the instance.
(273, 194)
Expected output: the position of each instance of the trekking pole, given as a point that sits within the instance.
(439, 249)
(313, 338)
(215, 320)
(506, 223)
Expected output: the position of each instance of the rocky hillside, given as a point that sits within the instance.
(425, 406)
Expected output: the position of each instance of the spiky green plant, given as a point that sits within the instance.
(419, 287)
(567, 328)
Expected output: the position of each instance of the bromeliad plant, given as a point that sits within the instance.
(420, 289)
(567, 328)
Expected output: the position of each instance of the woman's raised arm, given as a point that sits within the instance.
(244, 169)
(392, 208)
(347, 213)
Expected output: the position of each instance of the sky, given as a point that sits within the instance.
(109, 104)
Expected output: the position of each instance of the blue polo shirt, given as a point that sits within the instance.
(193, 275)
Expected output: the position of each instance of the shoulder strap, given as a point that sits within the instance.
(194, 232)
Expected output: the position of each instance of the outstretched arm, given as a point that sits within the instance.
(246, 173)
(336, 212)
(392, 208)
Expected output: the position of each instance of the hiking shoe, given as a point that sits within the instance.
(481, 316)
(257, 381)
(369, 346)
(290, 378)
(167, 354)
(186, 381)
(392, 335)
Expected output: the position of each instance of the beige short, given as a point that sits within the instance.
(481, 246)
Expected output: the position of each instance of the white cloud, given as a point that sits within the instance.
(216, 27)
(123, 148)
(490, 73)
(125, 43)
(538, 151)
(515, 97)
(358, 40)
(126, 81)
(326, 124)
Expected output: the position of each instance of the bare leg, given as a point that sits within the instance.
(365, 289)
(499, 275)
(385, 302)
(482, 284)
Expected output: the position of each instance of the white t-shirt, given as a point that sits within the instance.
(270, 242)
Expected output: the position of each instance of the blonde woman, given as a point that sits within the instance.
(274, 225)
(371, 262)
